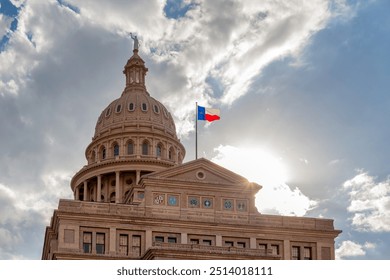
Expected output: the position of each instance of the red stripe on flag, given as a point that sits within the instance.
(211, 118)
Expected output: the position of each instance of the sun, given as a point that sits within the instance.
(257, 164)
(260, 165)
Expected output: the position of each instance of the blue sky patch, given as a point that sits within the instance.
(9, 10)
(69, 6)
(177, 8)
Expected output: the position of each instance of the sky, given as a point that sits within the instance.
(303, 88)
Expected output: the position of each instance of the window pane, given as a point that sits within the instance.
(172, 240)
(136, 246)
(307, 253)
(207, 242)
(194, 241)
(87, 242)
(159, 239)
(100, 248)
(116, 150)
(87, 248)
(123, 244)
(100, 238)
(295, 254)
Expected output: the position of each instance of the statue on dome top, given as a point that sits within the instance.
(135, 41)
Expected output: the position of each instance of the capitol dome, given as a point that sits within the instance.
(134, 135)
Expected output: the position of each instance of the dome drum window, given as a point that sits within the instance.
(159, 150)
(116, 150)
(130, 148)
(145, 148)
(144, 107)
(103, 153)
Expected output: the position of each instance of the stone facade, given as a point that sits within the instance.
(135, 199)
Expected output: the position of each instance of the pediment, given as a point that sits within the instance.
(200, 170)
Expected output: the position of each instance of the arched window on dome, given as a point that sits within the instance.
(171, 154)
(159, 149)
(103, 152)
(130, 147)
(145, 147)
(116, 149)
(144, 107)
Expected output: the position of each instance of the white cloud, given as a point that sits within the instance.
(352, 249)
(231, 47)
(261, 166)
(5, 23)
(369, 201)
(17, 3)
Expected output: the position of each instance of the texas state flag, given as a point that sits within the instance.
(208, 114)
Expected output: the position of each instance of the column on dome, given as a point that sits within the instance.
(99, 188)
(85, 190)
(107, 191)
(117, 193)
(77, 194)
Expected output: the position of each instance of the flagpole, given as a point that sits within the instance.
(196, 130)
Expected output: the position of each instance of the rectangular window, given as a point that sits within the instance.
(207, 242)
(100, 241)
(136, 246)
(263, 246)
(194, 241)
(87, 242)
(307, 253)
(159, 239)
(295, 253)
(123, 244)
(275, 249)
(172, 240)
(241, 244)
(229, 243)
